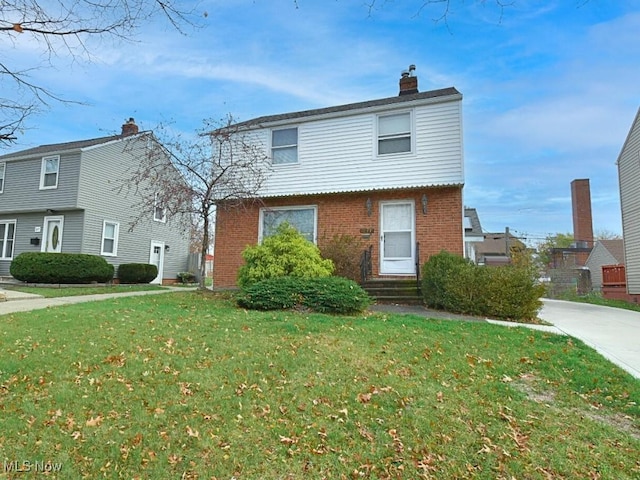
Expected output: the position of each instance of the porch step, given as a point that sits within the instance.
(393, 291)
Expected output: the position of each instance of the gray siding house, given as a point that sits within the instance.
(605, 252)
(629, 178)
(72, 198)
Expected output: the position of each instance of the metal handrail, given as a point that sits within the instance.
(366, 266)
(418, 286)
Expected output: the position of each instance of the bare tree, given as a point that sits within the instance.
(222, 166)
(61, 28)
(444, 7)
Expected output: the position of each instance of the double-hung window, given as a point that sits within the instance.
(394, 133)
(284, 146)
(7, 237)
(49, 172)
(304, 219)
(110, 232)
(159, 213)
(3, 168)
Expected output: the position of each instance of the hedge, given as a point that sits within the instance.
(45, 267)
(324, 294)
(137, 272)
(451, 283)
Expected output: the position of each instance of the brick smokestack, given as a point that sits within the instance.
(129, 128)
(582, 221)
(408, 81)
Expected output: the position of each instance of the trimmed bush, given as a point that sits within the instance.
(137, 272)
(334, 295)
(186, 277)
(287, 253)
(344, 251)
(438, 277)
(451, 283)
(44, 267)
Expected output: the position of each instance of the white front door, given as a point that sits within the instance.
(52, 234)
(156, 257)
(397, 238)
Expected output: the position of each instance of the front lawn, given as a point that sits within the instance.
(185, 385)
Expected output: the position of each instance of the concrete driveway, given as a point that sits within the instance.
(613, 332)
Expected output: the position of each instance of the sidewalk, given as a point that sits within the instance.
(24, 302)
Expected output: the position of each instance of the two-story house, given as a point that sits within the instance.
(629, 178)
(72, 197)
(388, 171)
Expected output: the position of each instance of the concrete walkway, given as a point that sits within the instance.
(613, 332)
(23, 302)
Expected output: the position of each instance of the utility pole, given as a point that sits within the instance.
(506, 242)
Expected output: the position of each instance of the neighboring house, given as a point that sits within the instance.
(629, 177)
(472, 233)
(67, 197)
(605, 252)
(388, 172)
(496, 249)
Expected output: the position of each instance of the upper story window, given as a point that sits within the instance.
(284, 146)
(394, 133)
(159, 212)
(3, 167)
(110, 232)
(49, 172)
(7, 236)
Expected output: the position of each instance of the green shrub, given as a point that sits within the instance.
(438, 277)
(344, 251)
(137, 272)
(186, 277)
(44, 267)
(334, 295)
(287, 253)
(452, 283)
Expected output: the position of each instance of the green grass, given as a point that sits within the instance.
(185, 385)
(598, 299)
(52, 292)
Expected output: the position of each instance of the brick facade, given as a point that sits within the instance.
(346, 213)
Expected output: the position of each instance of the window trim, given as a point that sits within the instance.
(3, 175)
(297, 145)
(289, 207)
(13, 222)
(158, 206)
(43, 170)
(411, 133)
(116, 234)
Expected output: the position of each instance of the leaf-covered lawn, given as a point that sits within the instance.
(187, 386)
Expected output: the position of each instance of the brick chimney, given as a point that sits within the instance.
(408, 81)
(582, 221)
(129, 128)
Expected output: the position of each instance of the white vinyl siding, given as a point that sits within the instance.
(110, 232)
(3, 168)
(7, 238)
(284, 146)
(303, 218)
(394, 133)
(340, 155)
(49, 172)
(629, 177)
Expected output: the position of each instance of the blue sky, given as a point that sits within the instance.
(549, 91)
